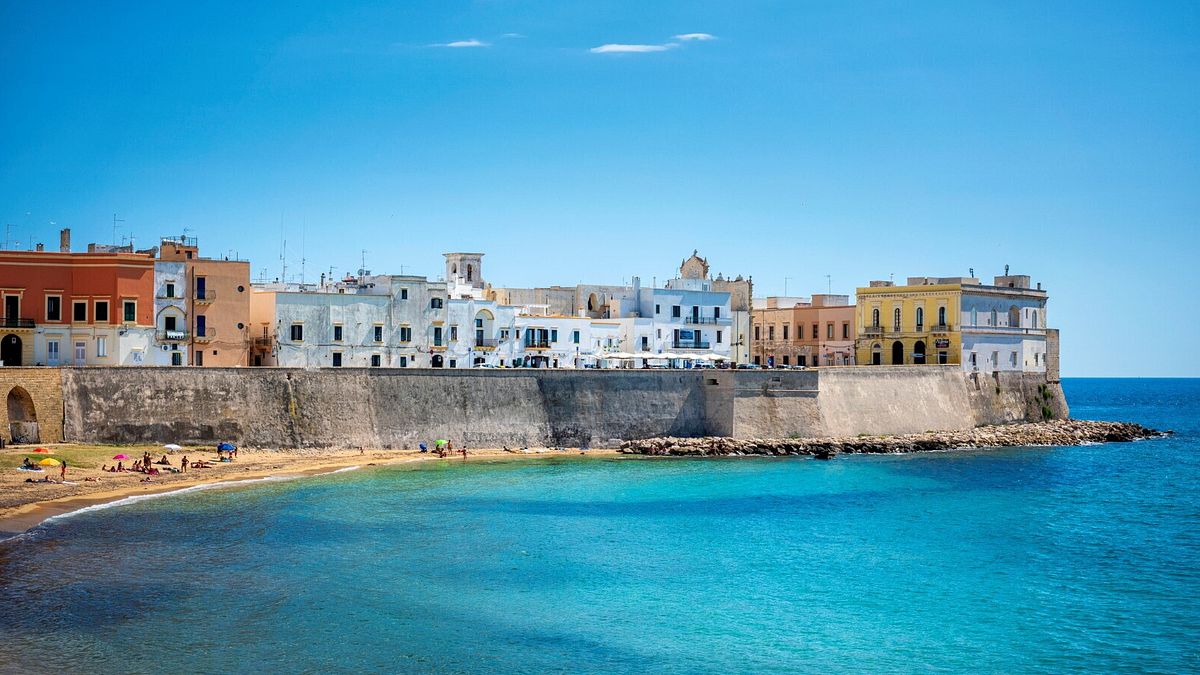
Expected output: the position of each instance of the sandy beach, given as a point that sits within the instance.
(24, 505)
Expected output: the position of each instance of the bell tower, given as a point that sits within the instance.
(465, 269)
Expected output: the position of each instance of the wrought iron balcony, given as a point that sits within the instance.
(689, 344)
(537, 344)
(15, 322)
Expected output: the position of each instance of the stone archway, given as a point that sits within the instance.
(919, 352)
(22, 418)
(10, 350)
(876, 354)
(897, 353)
(436, 361)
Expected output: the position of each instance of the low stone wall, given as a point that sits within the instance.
(382, 408)
(44, 389)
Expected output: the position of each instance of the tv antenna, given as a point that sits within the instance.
(829, 284)
(115, 226)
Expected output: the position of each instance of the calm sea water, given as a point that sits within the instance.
(1032, 559)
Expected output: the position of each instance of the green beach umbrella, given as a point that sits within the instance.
(441, 441)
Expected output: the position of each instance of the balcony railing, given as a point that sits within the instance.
(486, 343)
(206, 336)
(537, 344)
(940, 328)
(705, 319)
(207, 295)
(172, 335)
(690, 344)
(14, 322)
(262, 342)
(873, 330)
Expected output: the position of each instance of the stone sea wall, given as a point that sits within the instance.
(282, 407)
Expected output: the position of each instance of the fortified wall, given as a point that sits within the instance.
(385, 408)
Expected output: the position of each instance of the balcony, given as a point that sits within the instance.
(940, 328)
(486, 343)
(537, 344)
(264, 342)
(206, 296)
(206, 336)
(14, 322)
(706, 320)
(872, 330)
(172, 336)
(689, 344)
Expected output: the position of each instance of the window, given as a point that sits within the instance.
(101, 310)
(403, 361)
(896, 319)
(170, 293)
(845, 330)
(503, 333)
(770, 332)
(437, 336)
(403, 293)
(337, 332)
(645, 343)
(376, 361)
(52, 353)
(816, 331)
(875, 318)
(405, 334)
(199, 358)
(675, 311)
(177, 358)
(479, 323)
(453, 363)
(130, 311)
(718, 337)
(79, 311)
(101, 347)
(53, 308)
(941, 316)
(554, 335)
(169, 323)
(716, 312)
(470, 272)
(337, 359)
(973, 360)
(435, 303)
(995, 359)
(378, 333)
(657, 309)
(974, 317)
(1035, 319)
(785, 331)
(920, 317)
(297, 333)
(758, 332)
(1012, 360)
(785, 360)
(453, 333)
(575, 336)
(829, 331)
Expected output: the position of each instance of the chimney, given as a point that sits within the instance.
(41, 247)
(64, 240)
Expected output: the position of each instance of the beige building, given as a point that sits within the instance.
(795, 332)
(218, 304)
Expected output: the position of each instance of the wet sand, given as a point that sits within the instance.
(25, 505)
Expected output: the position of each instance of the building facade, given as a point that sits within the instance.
(217, 306)
(65, 308)
(796, 332)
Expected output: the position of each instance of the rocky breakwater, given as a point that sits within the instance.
(1056, 432)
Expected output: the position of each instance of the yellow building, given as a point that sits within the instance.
(913, 324)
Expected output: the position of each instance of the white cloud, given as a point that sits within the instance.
(462, 43)
(512, 35)
(631, 49)
(696, 36)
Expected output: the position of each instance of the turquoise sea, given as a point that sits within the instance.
(1013, 560)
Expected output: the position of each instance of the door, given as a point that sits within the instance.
(200, 284)
(80, 353)
(10, 350)
(695, 314)
(12, 307)
(200, 325)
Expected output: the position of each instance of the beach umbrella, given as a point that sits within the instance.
(172, 447)
(121, 456)
(226, 447)
(41, 450)
(49, 461)
(441, 441)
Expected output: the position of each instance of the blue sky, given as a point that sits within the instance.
(804, 139)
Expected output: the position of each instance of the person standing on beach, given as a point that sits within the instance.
(183, 465)
(62, 471)
(464, 452)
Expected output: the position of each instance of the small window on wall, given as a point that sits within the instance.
(403, 361)
(845, 331)
(403, 293)
(337, 333)
(435, 303)
(130, 311)
(375, 361)
(170, 291)
(718, 337)
(297, 332)
(79, 311)
(405, 334)
(575, 337)
(337, 359)
(102, 310)
(53, 308)
(675, 311)
(816, 331)
(379, 333)
(554, 335)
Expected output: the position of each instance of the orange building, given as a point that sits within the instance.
(792, 332)
(218, 304)
(64, 308)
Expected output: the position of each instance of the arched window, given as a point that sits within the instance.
(920, 317)
(941, 316)
(470, 272)
(454, 269)
(875, 318)
(896, 318)
(1035, 318)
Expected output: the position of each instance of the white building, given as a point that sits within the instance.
(170, 314)
(1004, 326)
